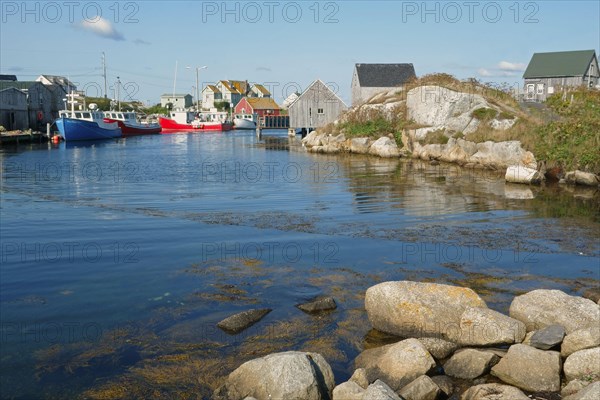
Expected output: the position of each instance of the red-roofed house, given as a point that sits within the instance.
(259, 105)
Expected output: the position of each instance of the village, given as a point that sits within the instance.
(34, 104)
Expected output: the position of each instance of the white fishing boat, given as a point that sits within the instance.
(245, 121)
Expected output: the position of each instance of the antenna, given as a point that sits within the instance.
(104, 74)
(175, 81)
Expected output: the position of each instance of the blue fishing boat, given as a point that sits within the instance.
(85, 124)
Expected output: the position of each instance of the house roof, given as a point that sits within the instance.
(57, 80)
(22, 85)
(14, 88)
(560, 63)
(213, 88)
(318, 81)
(8, 77)
(261, 89)
(230, 88)
(240, 86)
(384, 75)
(175, 95)
(262, 103)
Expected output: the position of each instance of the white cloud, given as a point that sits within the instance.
(102, 28)
(484, 72)
(509, 66)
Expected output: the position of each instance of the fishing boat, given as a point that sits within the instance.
(245, 121)
(85, 124)
(190, 121)
(129, 124)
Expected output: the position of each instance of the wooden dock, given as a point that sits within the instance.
(17, 137)
(274, 122)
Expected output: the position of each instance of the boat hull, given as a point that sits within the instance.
(170, 125)
(134, 130)
(242, 123)
(76, 129)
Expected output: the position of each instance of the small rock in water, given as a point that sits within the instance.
(238, 322)
(548, 337)
(593, 294)
(319, 304)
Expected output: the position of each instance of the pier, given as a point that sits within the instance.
(17, 137)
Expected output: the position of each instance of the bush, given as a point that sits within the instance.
(484, 114)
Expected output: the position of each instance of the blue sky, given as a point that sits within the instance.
(284, 44)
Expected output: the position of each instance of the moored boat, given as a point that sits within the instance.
(87, 124)
(245, 121)
(190, 121)
(129, 124)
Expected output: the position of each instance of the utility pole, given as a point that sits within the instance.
(104, 74)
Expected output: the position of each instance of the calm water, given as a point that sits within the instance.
(118, 258)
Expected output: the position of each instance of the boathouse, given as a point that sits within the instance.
(317, 106)
(59, 86)
(260, 105)
(370, 79)
(548, 73)
(177, 101)
(13, 109)
(39, 102)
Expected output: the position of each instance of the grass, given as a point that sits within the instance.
(484, 114)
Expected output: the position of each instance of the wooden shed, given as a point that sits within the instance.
(13, 109)
(317, 106)
(548, 73)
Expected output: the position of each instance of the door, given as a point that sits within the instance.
(531, 92)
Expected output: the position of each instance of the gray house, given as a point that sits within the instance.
(370, 79)
(548, 73)
(179, 101)
(13, 109)
(317, 106)
(59, 86)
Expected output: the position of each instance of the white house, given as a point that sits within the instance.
(178, 101)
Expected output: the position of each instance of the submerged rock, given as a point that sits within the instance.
(530, 369)
(319, 304)
(238, 322)
(397, 364)
(289, 375)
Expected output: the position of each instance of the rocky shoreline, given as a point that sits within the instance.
(453, 116)
(450, 346)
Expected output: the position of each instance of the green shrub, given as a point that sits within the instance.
(484, 114)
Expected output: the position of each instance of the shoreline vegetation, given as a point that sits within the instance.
(440, 112)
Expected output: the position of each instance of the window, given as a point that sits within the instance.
(86, 115)
(77, 115)
(540, 88)
(320, 111)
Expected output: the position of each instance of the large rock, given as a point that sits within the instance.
(579, 340)
(444, 108)
(493, 391)
(414, 309)
(541, 308)
(288, 375)
(348, 391)
(240, 321)
(530, 369)
(548, 337)
(582, 178)
(439, 348)
(583, 364)
(359, 145)
(485, 327)
(573, 387)
(501, 155)
(590, 392)
(520, 174)
(380, 391)
(470, 364)
(384, 147)
(422, 388)
(396, 364)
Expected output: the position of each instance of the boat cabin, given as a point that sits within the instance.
(92, 116)
(121, 116)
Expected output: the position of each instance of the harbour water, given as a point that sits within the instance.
(119, 257)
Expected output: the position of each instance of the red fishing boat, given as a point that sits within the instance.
(129, 124)
(190, 121)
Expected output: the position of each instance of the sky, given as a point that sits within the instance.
(156, 46)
